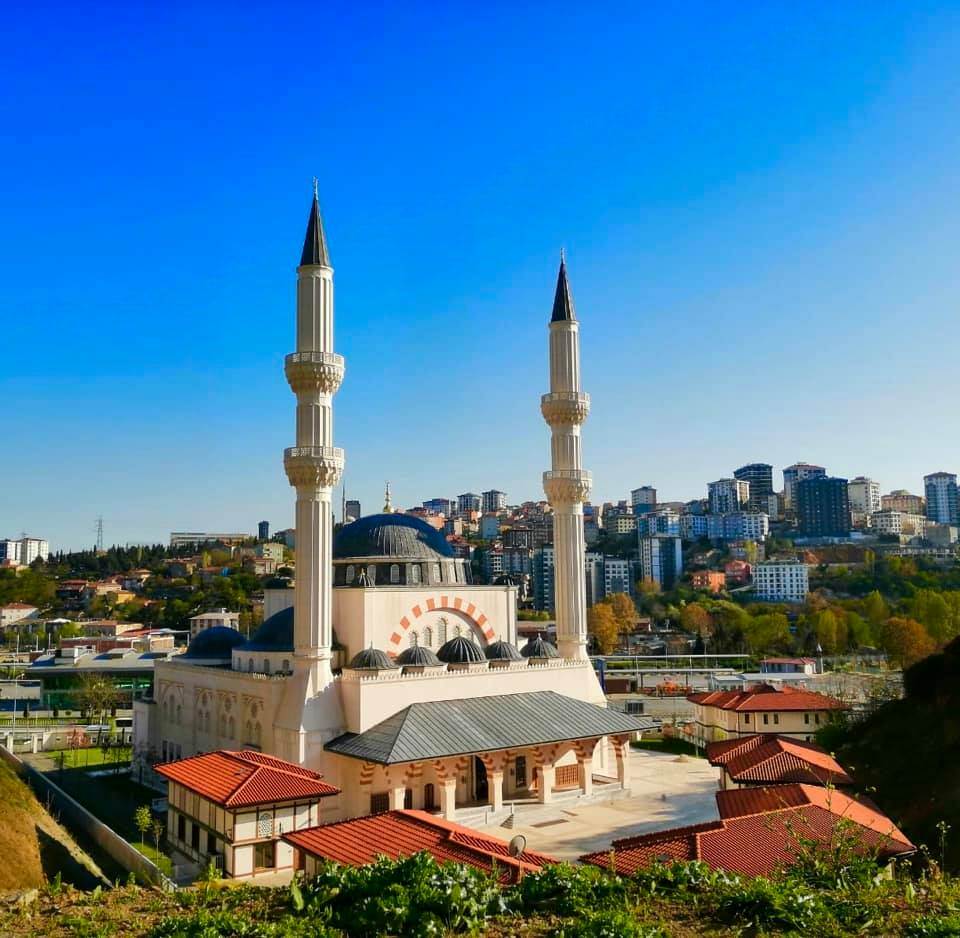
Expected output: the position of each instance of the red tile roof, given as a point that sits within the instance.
(397, 834)
(758, 832)
(246, 778)
(777, 760)
(766, 697)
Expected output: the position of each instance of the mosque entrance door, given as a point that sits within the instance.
(480, 787)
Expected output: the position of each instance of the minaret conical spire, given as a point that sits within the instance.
(563, 298)
(315, 250)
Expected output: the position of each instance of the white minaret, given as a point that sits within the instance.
(314, 467)
(567, 484)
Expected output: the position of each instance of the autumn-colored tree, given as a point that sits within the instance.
(875, 609)
(624, 611)
(906, 641)
(647, 587)
(695, 619)
(602, 625)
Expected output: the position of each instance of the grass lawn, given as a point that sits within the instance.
(162, 861)
(92, 757)
(113, 799)
(668, 745)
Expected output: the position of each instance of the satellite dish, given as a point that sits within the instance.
(517, 845)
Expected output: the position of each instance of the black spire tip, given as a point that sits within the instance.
(563, 298)
(315, 243)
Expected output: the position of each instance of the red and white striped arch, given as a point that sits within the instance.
(455, 604)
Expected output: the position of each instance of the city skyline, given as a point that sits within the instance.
(756, 231)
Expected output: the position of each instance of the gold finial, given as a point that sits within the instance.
(388, 508)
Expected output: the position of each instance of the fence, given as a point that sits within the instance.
(75, 816)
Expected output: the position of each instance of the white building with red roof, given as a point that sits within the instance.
(12, 613)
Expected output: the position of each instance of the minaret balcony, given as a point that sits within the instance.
(565, 408)
(314, 371)
(313, 466)
(567, 486)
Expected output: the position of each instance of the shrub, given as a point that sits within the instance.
(568, 890)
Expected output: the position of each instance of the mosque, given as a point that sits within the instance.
(436, 707)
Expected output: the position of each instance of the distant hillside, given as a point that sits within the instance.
(909, 752)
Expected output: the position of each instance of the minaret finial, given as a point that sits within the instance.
(563, 256)
(316, 184)
(563, 298)
(387, 507)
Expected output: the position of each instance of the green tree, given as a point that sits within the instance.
(143, 820)
(876, 609)
(768, 633)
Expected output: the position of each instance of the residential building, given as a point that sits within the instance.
(196, 538)
(864, 495)
(643, 499)
(712, 580)
(761, 831)
(220, 618)
(619, 523)
(941, 535)
(728, 495)
(489, 527)
(661, 559)
(351, 510)
(270, 550)
(899, 523)
(940, 489)
(493, 501)
(12, 613)
(468, 502)
(781, 581)
(737, 572)
(230, 808)
(746, 526)
(823, 507)
(440, 506)
(794, 474)
(263, 531)
(10, 552)
(659, 521)
(618, 576)
(902, 500)
(401, 833)
(788, 666)
(33, 547)
(764, 708)
(759, 475)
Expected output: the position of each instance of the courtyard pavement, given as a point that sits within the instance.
(666, 791)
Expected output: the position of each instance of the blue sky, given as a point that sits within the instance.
(759, 205)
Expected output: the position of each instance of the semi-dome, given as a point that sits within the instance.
(391, 535)
(419, 656)
(539, 648)
(214, 644)
(460, 650)
(502, 651)
(371, 659)
(275, 634)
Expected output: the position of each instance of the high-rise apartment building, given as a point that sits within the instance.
(440, 506)
(263, 531)
(728, 495)
(661, 559)
(941, 491)
(10, 551)
(823, 507)
(781, 581)
(351, 510)
(760, 477)
(902, 500)
(643, 499)
(794, 474)
(864, 495)
(493, 500)
(468, 502)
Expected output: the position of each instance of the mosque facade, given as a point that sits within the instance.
(436, 707)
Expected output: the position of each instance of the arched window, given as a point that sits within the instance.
(394, 573)
(286, 665)
(442, 632)
(250, 666)
(428, 637)
(458, 629)
(414, 639)
(350, 572)
(415, 573)
(266, 665)
(372, 574)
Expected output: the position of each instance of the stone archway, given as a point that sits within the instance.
(456, 604)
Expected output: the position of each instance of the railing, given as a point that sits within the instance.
(578, 396)
(576, 475)
(333, 453)
(320, 358)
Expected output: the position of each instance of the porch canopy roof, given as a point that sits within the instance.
(441, 728)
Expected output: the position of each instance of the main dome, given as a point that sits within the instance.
(399, 536)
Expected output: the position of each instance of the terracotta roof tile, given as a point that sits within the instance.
(776, 759)
(396, 834)
(245, 778)
(766, 697)
(758, 832)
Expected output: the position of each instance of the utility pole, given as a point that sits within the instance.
(100, 534)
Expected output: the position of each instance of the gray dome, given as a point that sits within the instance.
(390, 535)
(216, 643)
(538, 648)
(420, 656)
(371, 659)
(502, 651)
(275, 634)
(460, 650)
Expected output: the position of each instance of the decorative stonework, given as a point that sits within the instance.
(565, 408)
(444, 603)
(313, 466)
(567, 486)
(314, 371)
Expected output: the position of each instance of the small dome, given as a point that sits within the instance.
(538, 648)
(371, 659)
(502, 651)
(460, 650)
(275, 634)
(420, 656)
(214, 643)
(404, 537)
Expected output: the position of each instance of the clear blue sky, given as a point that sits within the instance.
(760, 205)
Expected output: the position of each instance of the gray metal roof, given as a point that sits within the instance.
(315, 242)
(441, 728)
(563, 298)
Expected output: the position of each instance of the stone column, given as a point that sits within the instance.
(397, 798)
(495, 784)
(448, 798)
(621, 749)
(548, 778)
